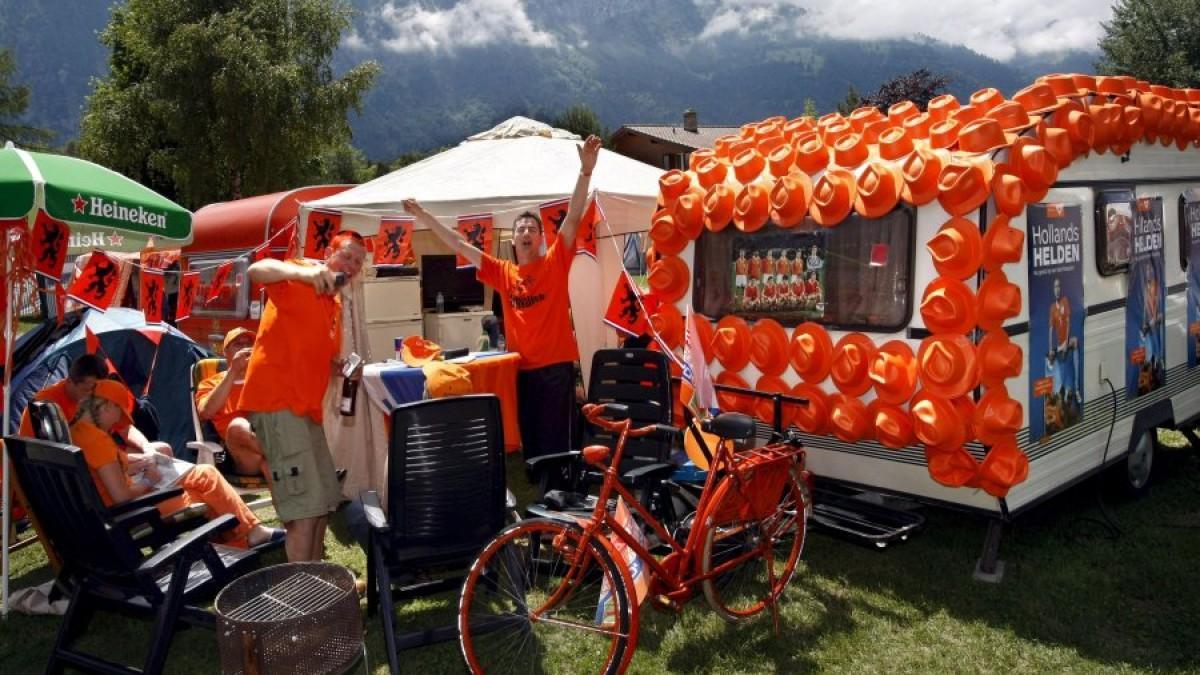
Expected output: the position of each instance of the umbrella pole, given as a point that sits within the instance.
(7, 494)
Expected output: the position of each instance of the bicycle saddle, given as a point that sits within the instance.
(733, 426)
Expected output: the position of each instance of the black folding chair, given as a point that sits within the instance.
(103, 565)
(446, 500)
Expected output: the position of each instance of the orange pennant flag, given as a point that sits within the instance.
(153, 283)
(477, 230)
(50, 245)
(97, 283)
(320, 228)
(625, 311)
(393, 244)
(585, 236)
(553, 213)
(189, 286)
(218, 281)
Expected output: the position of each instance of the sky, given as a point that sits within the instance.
(1000, 29)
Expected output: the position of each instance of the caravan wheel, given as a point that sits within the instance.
(1133, 475)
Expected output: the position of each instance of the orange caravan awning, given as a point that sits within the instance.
(247, 223)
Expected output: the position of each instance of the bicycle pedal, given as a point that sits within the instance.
(664, 603)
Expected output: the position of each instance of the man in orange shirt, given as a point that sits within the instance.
(295, 353)
(217, 400)
(537, 319)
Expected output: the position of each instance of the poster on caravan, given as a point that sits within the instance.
(1190, 216)
(1145, 304)
(1056, 313)
(780, 272)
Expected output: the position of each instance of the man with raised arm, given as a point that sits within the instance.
(295, 353)
(537, 320)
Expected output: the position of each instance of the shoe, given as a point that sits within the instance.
(360, 587)
(277, 538)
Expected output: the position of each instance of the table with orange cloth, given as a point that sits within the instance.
(392, 383)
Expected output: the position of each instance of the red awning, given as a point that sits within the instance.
(247, 223)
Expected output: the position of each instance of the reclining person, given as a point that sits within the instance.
(110, 405)
(217, 400)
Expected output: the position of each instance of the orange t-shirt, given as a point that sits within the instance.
(228, 411)
(1060, 317)
(298, 338)
(537, 319)
(99, 449)
(57, 393)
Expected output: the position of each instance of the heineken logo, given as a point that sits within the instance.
(98, 207)
(95, 240)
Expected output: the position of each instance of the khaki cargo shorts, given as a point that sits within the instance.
(304, 480)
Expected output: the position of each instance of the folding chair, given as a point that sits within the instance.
(208, 446)
(103, 564)
(446, 500)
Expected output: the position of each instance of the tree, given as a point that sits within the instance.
(210, 100)
(580, 119)
(14, 100)
(343, 164)
(810, 108)
(852, 102)
(1153, 40)
(918, 86)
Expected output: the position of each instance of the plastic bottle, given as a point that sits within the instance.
(441, 303)
(500, 343)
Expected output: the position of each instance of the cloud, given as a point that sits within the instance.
(1001, 29)
(408, 27)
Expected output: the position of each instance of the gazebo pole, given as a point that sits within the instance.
(7, 498)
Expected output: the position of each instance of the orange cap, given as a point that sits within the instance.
(812, 154)
(999, 300)
(669, 278)
(852, 358)
(764, 408)
(753, 207)
(1002, 244)
(417, 351)
(951, 466)
(790, 199)
(964, 185)
(948, 306)
(956, 248)
(833, 197)
(812, 417)
(999, 358)
(711, 171)
(668, 240)
(947, 365)
(921, 170)
(893, 426)
(878, 189)
(769, 347)
(118, 394)
(672, 184)
(893, 371)
(936, 421)
(940, 107)
(848, 419)
(719, 203)
(781, 159)
(748, 164)
(668, 323)
(849, 151)
(731, 402)
(1004, 467)
(811, 352)
(996, 416)
(731, 343)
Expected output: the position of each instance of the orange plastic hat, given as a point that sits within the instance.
(957, 249)
(833, 197)
(964, 185)
(1004, 467)
(999, 300)
(936, 421)
(417, 351)
(668, 240)
(874, 129)
(811, 352)
(812, 417)
(983, 136)
(672, 184)
(688, 212)
(731, 343)
(710, 172)
(947, 364)
(987, 99)
(918, 126)
(1058, 143)
(1037, 169)
(1062, 85)
(731, 402)
(1002, 244)
(852, 358)
(952, 467)
(895, 144)
(948, 306)
(966, 114)
(893, 371)
(798, 126)
(898, 113)
(753, 207)
(997, 416)
(812, 154)
(718, 207)
(940, 107)
(790, 199)
(767, 144)
(723, 146)
(748, 164)
(1008, 191)
(878, 189)
(697, 157)
(848, 419)
(668, 323)
(444, 379)
(999, 358)
(781, 159)
(669, 278)
(850, 150)
(863, 116)
(1086, 84)
(764, 408)
(1013, 117)
(832, 132)
(1038, 99)
(944, 134)
(893, 426)
(769, 347)
(1079, 125)
(921, 170)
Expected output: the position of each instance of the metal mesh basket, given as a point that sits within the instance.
(290, 618)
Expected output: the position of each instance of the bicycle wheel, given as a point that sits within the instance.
(754, 558)
(540, 599)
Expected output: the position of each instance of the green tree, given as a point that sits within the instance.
(210, 100)
(580, 119)
(1153, 40)
(14, 100)
(343, 164)
(810, 108)
(852, 102)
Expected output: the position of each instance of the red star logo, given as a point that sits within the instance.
(79, 203)
(115, 239)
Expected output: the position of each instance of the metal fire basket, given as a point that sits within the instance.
(290, 618)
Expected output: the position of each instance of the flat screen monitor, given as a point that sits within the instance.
(458, 286)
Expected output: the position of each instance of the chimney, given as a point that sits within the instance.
(690, 122)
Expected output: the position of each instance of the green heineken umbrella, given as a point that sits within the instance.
(81, 194)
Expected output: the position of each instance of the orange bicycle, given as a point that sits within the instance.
(563, 594)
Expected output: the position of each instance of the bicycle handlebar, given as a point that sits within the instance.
(596, 413)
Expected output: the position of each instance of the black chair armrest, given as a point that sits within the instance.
(648, 472)
(149, 499)
(147, 515)
(376, 518)
(544, 462)
(194, 539)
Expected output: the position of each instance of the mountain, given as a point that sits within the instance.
(448, 73)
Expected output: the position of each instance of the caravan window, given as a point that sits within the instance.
(232, 297)
(854, 276)
(1189, 224)
(1114, 230)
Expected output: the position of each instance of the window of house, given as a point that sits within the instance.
(855, 276)
(1114, 230)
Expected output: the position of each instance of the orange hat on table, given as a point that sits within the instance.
(790, 199)
(1013, 117)
(1038, 99)
(731, 402)
(893, 371)
(984, 135)
(417, 351)
(952, 466)
(833, 197)
(893, 426)
(848, 418)
(957, 249)
(718, 207)
(918, 126)
(1003, 467)
(748, 164)
(811, 352)
(943, 135)
(997, 416)
(878, 189)
(948, 306)
(813, 416)
(850, 150)
(444, 379)
(731, 343)
(999, 300)
(999, 358)
(947, 364)
(852, 358)
(895, 144)
(904, 110)
(769, 347)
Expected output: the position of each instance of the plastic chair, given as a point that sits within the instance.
(208, 446)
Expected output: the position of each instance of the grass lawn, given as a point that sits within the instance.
(1073, 600)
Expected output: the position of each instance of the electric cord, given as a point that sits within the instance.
(1107, 520)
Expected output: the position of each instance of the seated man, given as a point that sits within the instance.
(109, 405)
(81, 379)
(217, 399)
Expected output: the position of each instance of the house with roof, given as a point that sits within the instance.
(667, 146)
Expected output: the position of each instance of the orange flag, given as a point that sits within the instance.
(189, 286)
(477, 229)
(97, 284)
(585, 236)
(393, 244)
(553, 213)
(625, 311)
(218, 281)
(50, 245)
(151, 294)
(320, 227)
